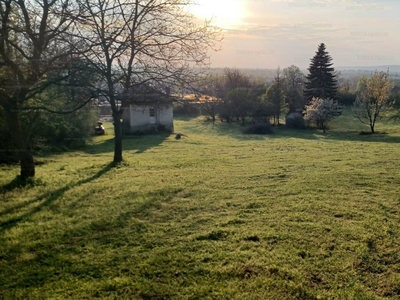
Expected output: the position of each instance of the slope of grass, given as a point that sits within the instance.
(215, 215)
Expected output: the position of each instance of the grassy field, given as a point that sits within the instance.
(215, 215)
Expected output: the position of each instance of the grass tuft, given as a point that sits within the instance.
(213, 236)
(252, 238)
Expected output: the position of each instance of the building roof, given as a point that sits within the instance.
(146, 95)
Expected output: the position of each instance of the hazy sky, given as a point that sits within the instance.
(272, 33)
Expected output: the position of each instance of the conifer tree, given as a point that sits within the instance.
(321, 81)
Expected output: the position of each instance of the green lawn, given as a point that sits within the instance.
(215, 215)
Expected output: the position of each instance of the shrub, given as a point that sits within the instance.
(263, 128)
(320, 111)
(345, 97)
(55, 131)
(295, 120)
(187, 108)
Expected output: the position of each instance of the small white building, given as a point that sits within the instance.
(147, 110)
(149, 117)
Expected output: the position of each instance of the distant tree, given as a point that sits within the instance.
(343, 83)
(208, 96)
(210, 107)
(232, 79)
(294, 85)
(263, 109)
(346, 93)
(373, 96)
(321, 81)
(320, 111)
(259, 86)
(237, 96)
(275, 95)
(395, 100)
(241, 100)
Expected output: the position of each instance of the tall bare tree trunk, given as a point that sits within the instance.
(21, 143)
(117, 115)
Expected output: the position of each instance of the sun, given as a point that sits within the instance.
(224, 13)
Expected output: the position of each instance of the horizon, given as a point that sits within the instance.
(350, 68)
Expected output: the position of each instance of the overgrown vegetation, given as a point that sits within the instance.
(50, 132)
(216, 214)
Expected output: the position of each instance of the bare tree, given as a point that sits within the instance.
(208, 95)
(37, 50)
(234, 78)
(210, 106)
(135, 43)
(343, 83)
(294, 77)
(373, 96)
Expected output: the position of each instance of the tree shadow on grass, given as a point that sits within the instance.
(355, 132)
(138, 143)
(72, 256)
(19, 182)
(336, 135)
(236, 131)
(46, 198)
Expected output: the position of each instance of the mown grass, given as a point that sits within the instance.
(215, 215)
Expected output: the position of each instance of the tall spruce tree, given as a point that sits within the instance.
(321, 81)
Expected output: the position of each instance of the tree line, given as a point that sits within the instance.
(235, 98)
(313, 99)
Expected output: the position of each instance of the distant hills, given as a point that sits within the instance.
(392, 68)
(346, 71)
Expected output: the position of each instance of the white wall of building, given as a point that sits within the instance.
(140, 120)
(139, 116)
(166, 117)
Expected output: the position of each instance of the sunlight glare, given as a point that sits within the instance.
(224, 13)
